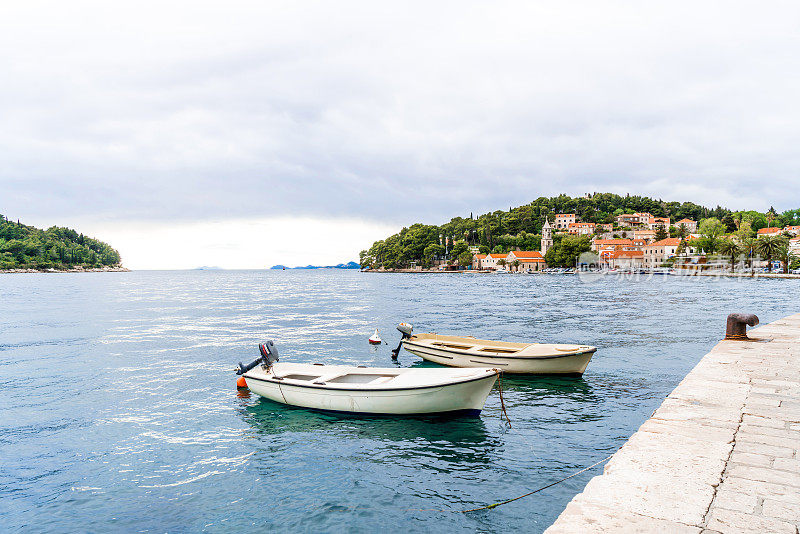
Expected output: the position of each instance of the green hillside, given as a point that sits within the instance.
(26, 247)
(501, 231)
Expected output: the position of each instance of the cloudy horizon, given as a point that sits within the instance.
(188, 134)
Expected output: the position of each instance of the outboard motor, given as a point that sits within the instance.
(269, 355)
(405, 329)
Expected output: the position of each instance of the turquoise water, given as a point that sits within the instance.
(120, 412)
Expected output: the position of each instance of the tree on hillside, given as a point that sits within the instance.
(771, 215)
(431, 252)
(458, 249)
(565, 251)
(729, 223)
(711, 227)
(791, 217)
(661, 233)
(744, 231)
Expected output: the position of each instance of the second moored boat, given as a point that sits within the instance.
(518, 358)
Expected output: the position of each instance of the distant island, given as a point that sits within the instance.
(348, 265)
(24, 247)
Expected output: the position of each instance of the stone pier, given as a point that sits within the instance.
(719, 455)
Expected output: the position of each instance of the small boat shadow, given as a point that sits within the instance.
(269, 418)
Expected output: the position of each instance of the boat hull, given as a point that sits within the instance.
(465, 397)
(569, 364)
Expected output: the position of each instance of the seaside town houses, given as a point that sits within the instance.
(563, 220)
(655, 254)
(627, 244)
(581, 228)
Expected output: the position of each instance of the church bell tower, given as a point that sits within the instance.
(547, 237)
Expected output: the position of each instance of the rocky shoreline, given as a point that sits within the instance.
(117, 269)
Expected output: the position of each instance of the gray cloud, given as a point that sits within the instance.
(395, 112)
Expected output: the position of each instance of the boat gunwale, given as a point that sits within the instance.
(498, 356)
(407, 388)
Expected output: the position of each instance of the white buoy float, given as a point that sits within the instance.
(375, 339)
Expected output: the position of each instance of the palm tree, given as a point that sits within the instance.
(730, 249)
(768, 247)
(515, 263)
(771, 214)
(502, 262)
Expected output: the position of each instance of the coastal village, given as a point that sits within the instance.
(636, 242)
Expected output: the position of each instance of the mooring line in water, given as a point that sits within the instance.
(501, 503)
(495, 505)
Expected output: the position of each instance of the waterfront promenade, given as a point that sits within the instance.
(721, 454)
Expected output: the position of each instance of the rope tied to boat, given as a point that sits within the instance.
(537, 490)
(559, 481)
(502, 401)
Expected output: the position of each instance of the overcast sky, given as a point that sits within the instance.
(182, 132)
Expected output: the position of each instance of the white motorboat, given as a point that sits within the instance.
(520, 358)
(385, 391)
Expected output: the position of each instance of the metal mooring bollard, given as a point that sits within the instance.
(737, 325)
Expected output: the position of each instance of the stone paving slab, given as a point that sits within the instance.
(721, 454)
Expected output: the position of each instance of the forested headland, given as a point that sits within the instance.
(501, 231)
(26, 247)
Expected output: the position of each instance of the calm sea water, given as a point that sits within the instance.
(119, 410)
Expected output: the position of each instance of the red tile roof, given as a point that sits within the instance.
(771, 230)
(627, 254)
(613, 241)
(519, 254)
(668, 242)
(527, 255)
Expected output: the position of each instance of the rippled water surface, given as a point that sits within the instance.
(119, 409)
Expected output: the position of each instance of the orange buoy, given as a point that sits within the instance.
(241, 382)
